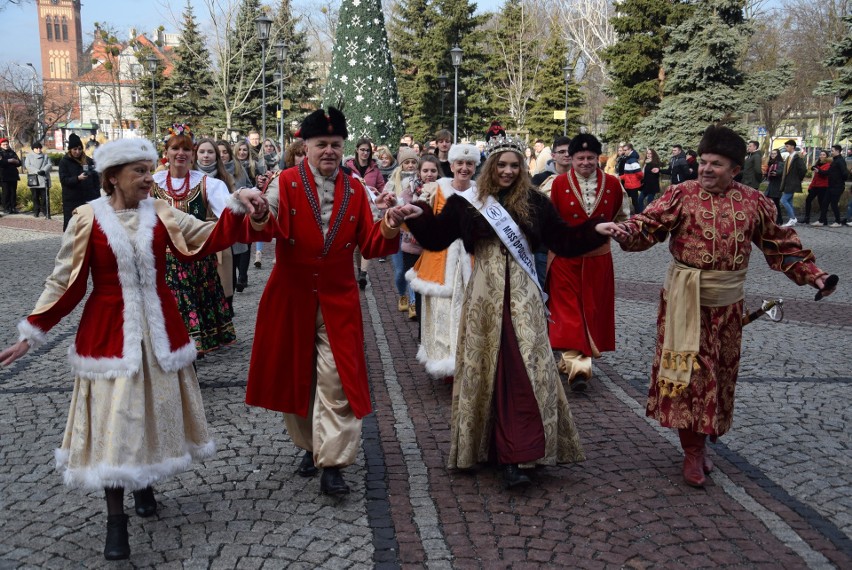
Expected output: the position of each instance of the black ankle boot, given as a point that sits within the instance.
(332, 483)
(146, 504)
(514, 477)
(306, 466)
(117, 545)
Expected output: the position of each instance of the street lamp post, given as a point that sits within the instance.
(38, 133)
(152, 62)
(281, 56)
(568, 72)
(37, 102)
(456, 57)
(442, 83)
(263, 23)
(276, 77)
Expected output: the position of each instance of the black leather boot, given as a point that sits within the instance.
(146, 504)
(332, 483)
(306, 466)
(514, 477)
(117, 544)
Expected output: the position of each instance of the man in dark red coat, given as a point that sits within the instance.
(582, 289)
(308, 357)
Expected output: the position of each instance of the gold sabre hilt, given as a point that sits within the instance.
(773, 308)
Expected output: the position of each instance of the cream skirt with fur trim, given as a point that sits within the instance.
(134, 431)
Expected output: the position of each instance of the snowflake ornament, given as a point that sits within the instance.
(368, 119)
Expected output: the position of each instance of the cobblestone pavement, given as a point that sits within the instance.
(780, 496)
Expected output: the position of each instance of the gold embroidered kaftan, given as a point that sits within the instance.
(714, 231)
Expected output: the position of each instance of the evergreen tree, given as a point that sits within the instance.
(188, 88)
(242, 66)
(702, 84)
(416, 47)
(299, 83)
(550, 95)
(457, 24)
(361, 78)
(635, 60)
(144, 103)
(840, 60)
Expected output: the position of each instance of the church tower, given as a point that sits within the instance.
(60, 31)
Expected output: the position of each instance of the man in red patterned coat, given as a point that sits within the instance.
(308, 357)
(582, 289)
(712, 224)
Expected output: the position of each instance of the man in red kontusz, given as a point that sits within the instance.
(308, 358)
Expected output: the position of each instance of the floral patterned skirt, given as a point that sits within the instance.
(201, 300)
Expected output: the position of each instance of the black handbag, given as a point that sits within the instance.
(32, 181)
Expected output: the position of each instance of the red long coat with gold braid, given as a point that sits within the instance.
(314, 271)
(582, 289)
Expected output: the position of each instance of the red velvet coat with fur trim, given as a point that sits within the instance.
(129, 282)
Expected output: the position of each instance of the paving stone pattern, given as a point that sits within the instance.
(779, 498)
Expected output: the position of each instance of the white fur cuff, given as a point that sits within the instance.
(236, 206)
(31, 333)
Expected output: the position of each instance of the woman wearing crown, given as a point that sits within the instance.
(196, 285)
(508, 401)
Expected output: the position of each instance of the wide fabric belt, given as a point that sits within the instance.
(688, 290)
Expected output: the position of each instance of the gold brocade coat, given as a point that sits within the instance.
(476, 362)
(718, 232)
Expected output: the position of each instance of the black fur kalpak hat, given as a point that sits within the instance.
(723, 141)
(322, 124)
(584, 141)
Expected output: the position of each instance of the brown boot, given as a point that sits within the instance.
(693, 462)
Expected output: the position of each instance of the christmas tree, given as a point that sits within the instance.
(362, 78)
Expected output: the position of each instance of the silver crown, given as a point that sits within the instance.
(501, 143)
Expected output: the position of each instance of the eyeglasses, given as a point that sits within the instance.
(560, 152)
(363, 150)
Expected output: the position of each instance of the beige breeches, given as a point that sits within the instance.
(574, 363)
(330, 430)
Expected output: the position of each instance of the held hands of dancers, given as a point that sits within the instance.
(618, 232)
(254, 201)
(386, 200)
(397, 215)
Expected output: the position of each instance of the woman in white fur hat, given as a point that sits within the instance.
(136, 413)
(440, 276)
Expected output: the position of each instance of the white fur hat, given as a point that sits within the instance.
(123, 151)
(464, 152)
